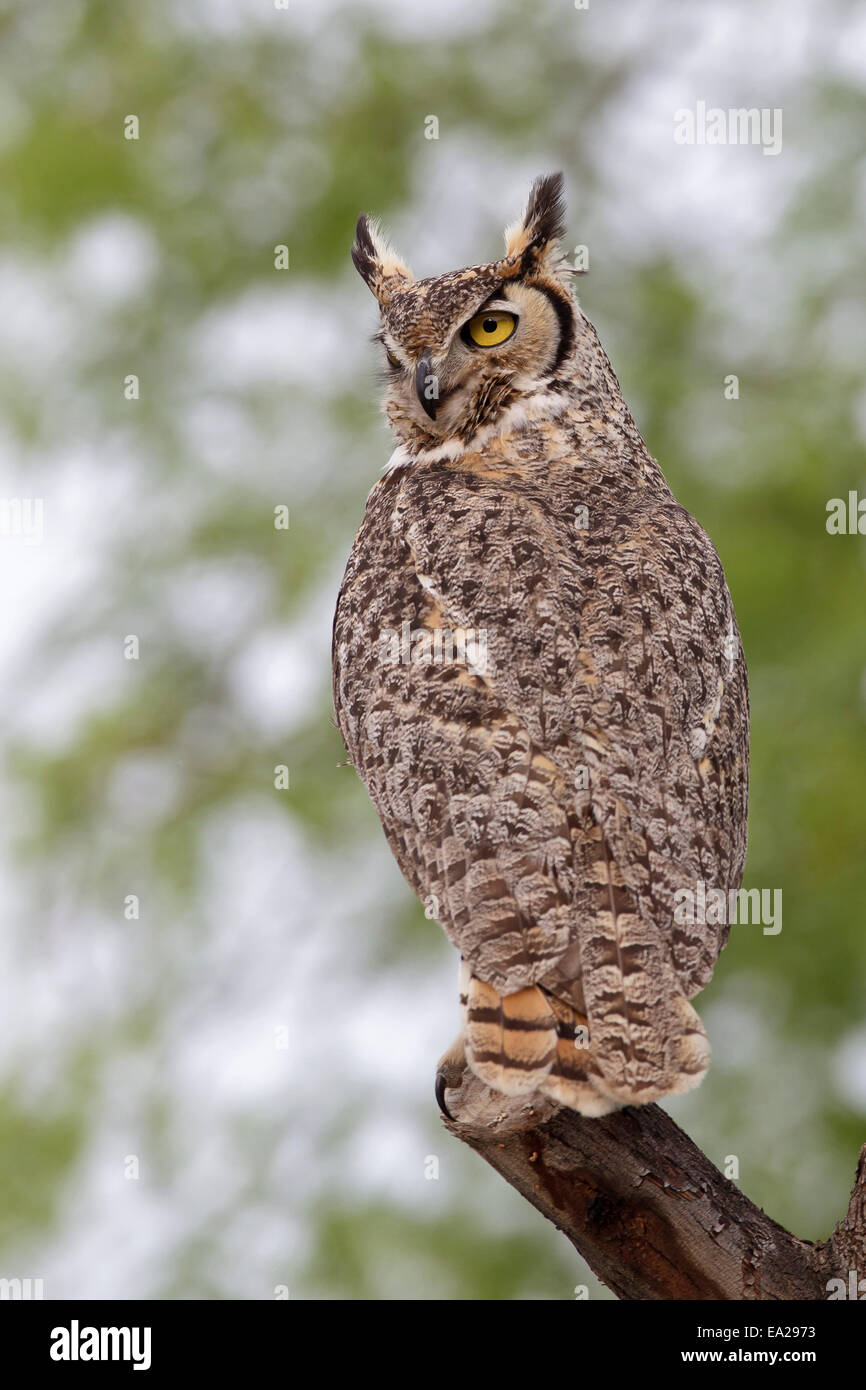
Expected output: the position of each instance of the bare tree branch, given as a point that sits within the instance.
(643, 1205)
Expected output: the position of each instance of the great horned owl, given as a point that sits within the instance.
(537, 674)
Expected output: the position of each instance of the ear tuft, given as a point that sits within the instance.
(532, 242)
(363, 251)
(376, 262)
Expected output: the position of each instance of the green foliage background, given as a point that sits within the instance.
(261, 1039)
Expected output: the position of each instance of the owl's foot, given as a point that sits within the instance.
(449, 1073)
(468, 1104)
(510, 1038)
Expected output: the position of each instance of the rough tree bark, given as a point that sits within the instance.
(647, 1210)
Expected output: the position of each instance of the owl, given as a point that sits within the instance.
(538, 675)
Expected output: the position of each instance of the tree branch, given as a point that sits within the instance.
(643, 1205)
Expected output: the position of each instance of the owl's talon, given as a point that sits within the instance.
(441, 1087)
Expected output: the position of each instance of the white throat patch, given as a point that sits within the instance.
(541, 405)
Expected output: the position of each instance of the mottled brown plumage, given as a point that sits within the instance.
(546, 788)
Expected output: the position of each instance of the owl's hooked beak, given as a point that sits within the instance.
(424, 376)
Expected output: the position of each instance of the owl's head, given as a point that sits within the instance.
(464, 349)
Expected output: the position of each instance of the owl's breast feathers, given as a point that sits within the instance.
(571, 748)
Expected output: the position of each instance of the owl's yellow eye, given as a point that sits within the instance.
(393, 361)
(490, 328)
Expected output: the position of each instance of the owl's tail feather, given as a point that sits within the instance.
(677, 1063)
(574, 1079)
(510, 1038)
(647, 1039)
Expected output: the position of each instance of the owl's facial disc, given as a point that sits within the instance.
(472, 367)
(434, 376)
(491, 327)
